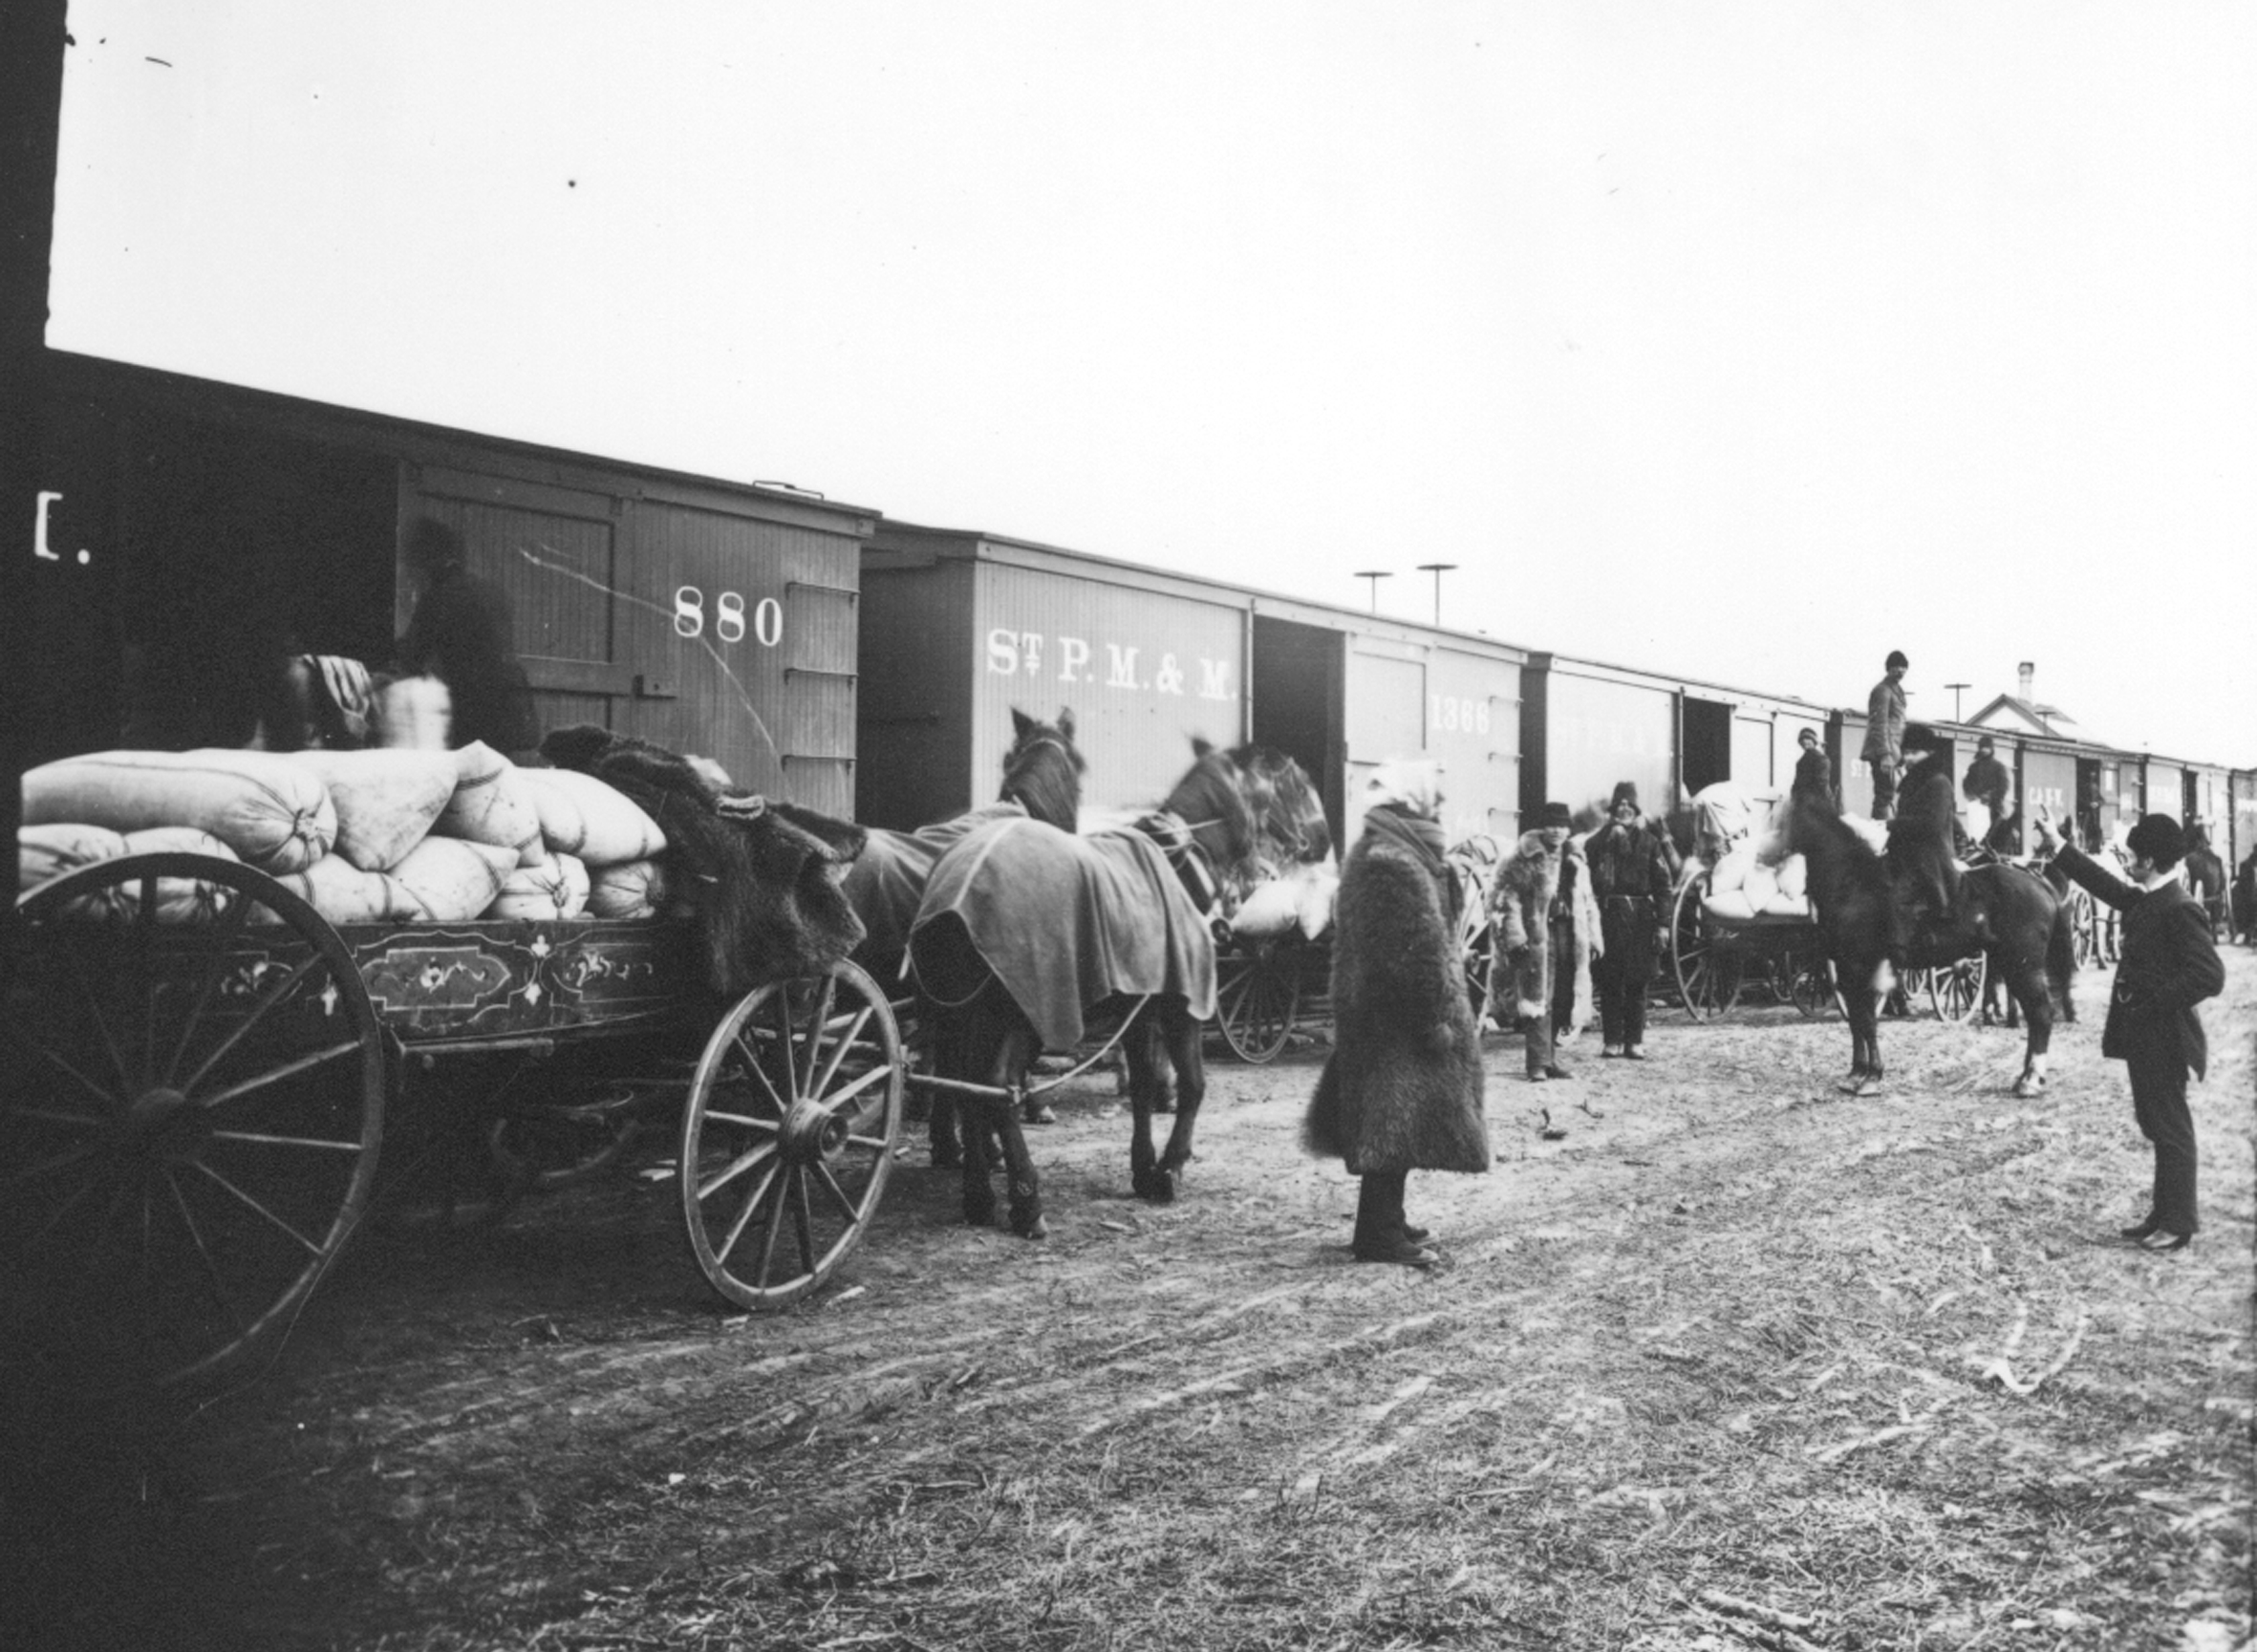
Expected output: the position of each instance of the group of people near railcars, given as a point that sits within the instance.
(1402, 1089)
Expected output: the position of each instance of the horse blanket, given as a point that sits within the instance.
(1062, 922)
(887, 882)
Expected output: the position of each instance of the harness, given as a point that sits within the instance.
(1193, 868)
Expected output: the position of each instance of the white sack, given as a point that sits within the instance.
(556, 889)
(385, 799)
(630, 890)
(273, 813)
(452, 880)
(344, 893)
(47, 851)
(612, 827)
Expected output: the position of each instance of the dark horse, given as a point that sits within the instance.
(1288, 814)
(2012, 916)
(1025, 929)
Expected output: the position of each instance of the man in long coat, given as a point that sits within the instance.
(2169, 964)
(1630, 875)
(1884, 732)
(1402, 1089)
(1524, 905)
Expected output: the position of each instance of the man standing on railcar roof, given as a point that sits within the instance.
(1884, 732)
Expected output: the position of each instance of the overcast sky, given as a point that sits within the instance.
(1743, 341)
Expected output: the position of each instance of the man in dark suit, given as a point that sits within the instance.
(2169, 964)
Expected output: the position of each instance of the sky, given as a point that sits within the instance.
(1744, 342)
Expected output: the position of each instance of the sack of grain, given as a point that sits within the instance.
(452, 880)
(491, 806)
(1320, 890)
(344, 893)
(47, 851)
(630, 890)
(272, 812)
(612, 827)
(410, 714)
(385, 799)
(1271, 910)
(556, 889)
(563, 827)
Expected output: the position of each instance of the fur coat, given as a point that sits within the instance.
(1523, 905)
(765, 878)
(1402, 1088)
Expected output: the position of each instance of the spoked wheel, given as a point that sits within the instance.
(1810, 983)
(1258, 1000)
(787, 1140)
(1475, 949)
(190, 1125)
(1955, 990)
(2084, 925)
(1707, 970)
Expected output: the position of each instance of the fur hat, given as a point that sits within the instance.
(2158, 838)
(1807, 735)
(1555, 814)
(1984, 742)
(1624, 792)
(1895, 659)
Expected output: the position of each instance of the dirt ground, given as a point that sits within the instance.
(1738, 1362)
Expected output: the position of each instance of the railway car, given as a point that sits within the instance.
(958, 626)
(191, 533)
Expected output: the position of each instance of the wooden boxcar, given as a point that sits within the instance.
(960, 626)
(194, 533)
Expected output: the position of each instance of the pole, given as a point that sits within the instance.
(1437, 569)
(1375, 576)
(1955, 687)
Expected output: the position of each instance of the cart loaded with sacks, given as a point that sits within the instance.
(1740, 923)
(233, 968)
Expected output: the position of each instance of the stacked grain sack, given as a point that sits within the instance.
(376, 836)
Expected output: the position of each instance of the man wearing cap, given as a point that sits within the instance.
(2168, 965)
(1524, 907)
(1813, 775)
(1988, 782)
(1630, 875)
(1884, 732)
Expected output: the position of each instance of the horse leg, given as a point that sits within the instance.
(1179, 1035)
(943, 1129)
(1138, 1052)
(2032, 993)
(1015, 1060)
(1862, 1003)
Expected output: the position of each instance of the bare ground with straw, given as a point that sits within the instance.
(1740, 1363)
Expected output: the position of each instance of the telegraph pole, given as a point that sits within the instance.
(1955, 687)
(1375, 576)
(1437, 569)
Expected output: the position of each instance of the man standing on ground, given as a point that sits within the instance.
(1884, 732)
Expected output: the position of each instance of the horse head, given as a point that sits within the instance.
(1290, 826)
(1043, 770)
(1209, 802)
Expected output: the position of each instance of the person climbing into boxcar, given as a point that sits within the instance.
(1920, 851)
(1524, 907)
(1400, 1090)
(1884, 732)
(2169, 965)
(1813, 775)
(1630, 877)
(461, 634)
(1987, 783)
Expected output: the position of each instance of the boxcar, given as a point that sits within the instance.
(192, 531)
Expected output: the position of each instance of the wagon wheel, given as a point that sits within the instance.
(191, 1126)
(1708, 969)
(787, 1140)
(1955, 990)
(1476, 932)
(2084, 926)
(1810, 983)
(1258, 998)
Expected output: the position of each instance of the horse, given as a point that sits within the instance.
(1290, 827)
(1026, 929)
(2011, 915)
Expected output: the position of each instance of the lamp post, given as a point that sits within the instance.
(1375, 576)
(1437, 569)
(1955, 687)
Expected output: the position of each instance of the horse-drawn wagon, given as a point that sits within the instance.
(1741, 922)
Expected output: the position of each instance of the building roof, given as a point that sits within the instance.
(2027, 717)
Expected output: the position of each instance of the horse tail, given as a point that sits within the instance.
(2061, 959)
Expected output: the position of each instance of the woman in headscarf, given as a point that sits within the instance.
(1402, 1089)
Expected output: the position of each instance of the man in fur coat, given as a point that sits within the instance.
(1402, 1089)
(1534, 918)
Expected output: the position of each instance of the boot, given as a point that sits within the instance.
(1381, 1234)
